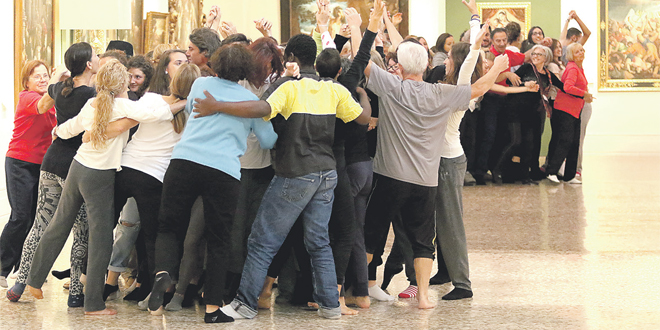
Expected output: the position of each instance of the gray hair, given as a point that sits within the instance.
(570, 51)
(412, 57)
(546, 51)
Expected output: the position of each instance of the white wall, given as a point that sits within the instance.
(622, 122)
(7, 57)
(243, 13)
(427, 19)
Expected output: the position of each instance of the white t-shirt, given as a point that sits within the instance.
(150, 149)
(109, 157)
(254, 157)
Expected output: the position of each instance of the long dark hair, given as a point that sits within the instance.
(75, 59)
(440, 43)
(457, 55)
(160, 82)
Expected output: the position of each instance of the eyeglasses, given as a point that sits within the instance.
(393, 67)
(538, 54)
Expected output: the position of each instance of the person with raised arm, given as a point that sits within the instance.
(402, 196)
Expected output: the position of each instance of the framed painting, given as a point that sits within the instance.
(502, 13)
(34, 35)
(299, 16)
(628, 45)
(157, 30)
(185, 16)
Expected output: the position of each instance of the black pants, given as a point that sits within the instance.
(184, 182)
(342, 224)
(468, 129)
(147, 192)
(254, 183)
(564, 144)
(410, 206)
(22, 188)
(487, 127)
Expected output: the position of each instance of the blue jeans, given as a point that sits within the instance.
(310, 197)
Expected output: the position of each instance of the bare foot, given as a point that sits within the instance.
(264, 301)
(106, 311)
(313, 305)
(425, 303)
(37, 293)
(157, 312)
(344, 309)
(363, 302)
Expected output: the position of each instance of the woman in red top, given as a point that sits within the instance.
(565, 120)
(33, 123)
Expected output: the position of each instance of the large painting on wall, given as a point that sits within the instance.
(299, 16)
(34, 35)
(502, 13)
(628, 42)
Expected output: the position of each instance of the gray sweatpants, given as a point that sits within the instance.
(96, 189)
(449, 220)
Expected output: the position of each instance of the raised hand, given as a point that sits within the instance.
(345, 31)
(353, 17)
(471, 6)
(379, 9)
(264, 26)
(323, 14)
(480, 36)
(397, 18)
(227, 29)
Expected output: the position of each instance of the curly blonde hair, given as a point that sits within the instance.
(180, 87)
(111, 80)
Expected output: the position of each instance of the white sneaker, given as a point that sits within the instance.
(3, 282)
(553, 178)
(575, 181)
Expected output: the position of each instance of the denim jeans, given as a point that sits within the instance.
(311, 197)
(125, 236)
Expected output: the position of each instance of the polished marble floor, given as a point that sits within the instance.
(541, 257)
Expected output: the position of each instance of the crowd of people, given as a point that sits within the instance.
(204, 172)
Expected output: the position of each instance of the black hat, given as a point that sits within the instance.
(124, 46)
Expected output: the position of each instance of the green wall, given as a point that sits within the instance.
(545, 13)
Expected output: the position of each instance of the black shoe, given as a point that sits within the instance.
(438, 279)
(217, 317)
(479, 178)
(457, 294)
(140, 293)
(161, 283)
(192, 293)
(108, 290)
(530, 182)
(60, 275)
(497, 178)
(76, 300)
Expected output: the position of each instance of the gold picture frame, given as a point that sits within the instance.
(34, 35)
(628, 60)
(157, 30)
(501, 13)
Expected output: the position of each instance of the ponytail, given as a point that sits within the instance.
(67, 87)
(111, 80)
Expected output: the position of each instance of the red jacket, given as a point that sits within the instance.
(32, 131)
(515, 59)
(571, 99)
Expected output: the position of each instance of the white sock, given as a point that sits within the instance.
(229, 311)
(377, 293)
